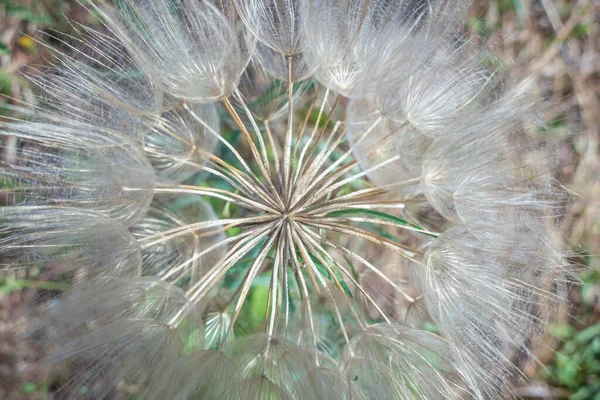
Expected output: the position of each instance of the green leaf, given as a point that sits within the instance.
(481, 28)
(231, 278)
(29, 387)
(6, 81)
(11, 285)
(258, 304)
(520, 10)
(27, 14)
(378, 215)
(4, 49)
(588, 334)
(323, 271)
(193, 340)
(582, 394)
(233, 231)
(581, 30)
(314, 117)
(234, 274)
(354, 273)
(562, 331)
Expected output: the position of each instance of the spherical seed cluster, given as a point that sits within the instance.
(377, 174)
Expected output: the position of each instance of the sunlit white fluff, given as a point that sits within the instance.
(486, 297)
(276, 24)
(64, 240)
(445, 89)
(96, 66)
(99, 170)
(192, 252)
(391, 136)
(277, 65)
(389, 362)
(480, 177)
(192, 46)
(364, 45)
(177, 144)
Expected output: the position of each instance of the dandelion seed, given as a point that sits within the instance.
(177, 145)
(76, 240)
(88, 168)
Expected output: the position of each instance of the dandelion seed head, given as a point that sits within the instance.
(272, 200)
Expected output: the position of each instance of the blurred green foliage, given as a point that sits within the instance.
(29, 14)
(577, 365)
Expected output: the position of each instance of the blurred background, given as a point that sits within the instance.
(557, 41)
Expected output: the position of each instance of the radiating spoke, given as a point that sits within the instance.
(301, 244)
(262, 164)
(399, 249)
(308, 143)
(287, 150)
(202, 287)
(303, 290)
(218, 193)
(323, 256)
(161, 237)
(359, 259)
(174, 270)
(250, 275)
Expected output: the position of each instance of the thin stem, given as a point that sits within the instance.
(261, 142)
(321, 131)
(219, 137)
(224, 171)
(275, 152)
(301, 235)
(361, 260)
(328, 187)
(345, 272)
(378, 222)
(303, 290)
(249, 277)
(320, 159)
(172, 271)
(368, 204)
(399, 249)
(236, 253)
(218, 193)
(161, 237)
(263, 168)
(301, 132)
(308, 194)
(249, 182)
(308, 261)
(272, 307)
(349, 151)
(312, 135)
(287, 151)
